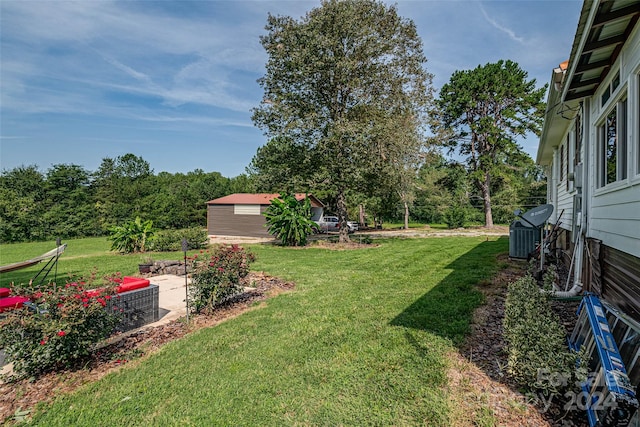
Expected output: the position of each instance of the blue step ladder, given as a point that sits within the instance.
(611, 398)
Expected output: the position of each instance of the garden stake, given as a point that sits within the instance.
(186, 286)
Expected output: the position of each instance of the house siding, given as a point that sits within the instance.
(611, 212)
(615, 219)
(615, 208)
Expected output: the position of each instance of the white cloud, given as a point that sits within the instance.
(512, 35)
(126, 69)
(181, 60)
(186, 67)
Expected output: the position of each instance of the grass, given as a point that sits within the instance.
(363, 340)
(80, 259)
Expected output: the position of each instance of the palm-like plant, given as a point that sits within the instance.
(132, 236)
(290, 220)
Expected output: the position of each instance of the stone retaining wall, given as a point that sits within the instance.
(169, 267)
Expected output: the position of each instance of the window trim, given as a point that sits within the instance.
(623, 180)
(634, 109)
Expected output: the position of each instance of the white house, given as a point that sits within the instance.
(590, 149)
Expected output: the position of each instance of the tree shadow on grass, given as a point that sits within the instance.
(447, 309)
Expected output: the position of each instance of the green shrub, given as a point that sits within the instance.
(59, 330)
(133, 236)
(539, 358)
(455, 216)
(171, 240)
(216, 276)
(290, 220)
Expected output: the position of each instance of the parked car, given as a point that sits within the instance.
(353, 226)
(328, 223)
(331, 223)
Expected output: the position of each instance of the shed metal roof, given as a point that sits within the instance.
(259, 199)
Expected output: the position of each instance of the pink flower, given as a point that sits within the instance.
(43, 342)
(61, 333)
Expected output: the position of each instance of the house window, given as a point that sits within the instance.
(606, 95)
(610, 145)
(615, 82)
(577, 142)
(246, 209)
(568, 162)
(613, 145)
(611, 87)
(562, 162)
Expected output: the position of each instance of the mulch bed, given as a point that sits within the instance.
(485, 349)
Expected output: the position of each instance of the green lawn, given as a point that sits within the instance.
(362, 340)
(80, 259)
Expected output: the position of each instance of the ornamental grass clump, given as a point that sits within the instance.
(58, 328)
(539, 358)
(216, 276)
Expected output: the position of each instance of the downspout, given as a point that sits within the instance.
(585, 107)
(576, 289)
(581, 218)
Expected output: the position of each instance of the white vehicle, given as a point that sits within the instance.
(330, 223)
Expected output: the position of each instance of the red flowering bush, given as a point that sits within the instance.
(58, 328)
(216, 276)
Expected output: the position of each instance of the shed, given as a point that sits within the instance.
(241, 214)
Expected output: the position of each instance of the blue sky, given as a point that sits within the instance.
(174, 81)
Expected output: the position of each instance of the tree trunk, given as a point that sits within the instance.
(486, 198)
(361, 215)
(341, 205)
(406, 215)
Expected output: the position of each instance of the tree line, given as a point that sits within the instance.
(68, 201)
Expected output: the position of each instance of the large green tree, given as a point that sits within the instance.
(345, 96)
(68, 211)
(21, 196)
(482, 112)
(122, 187)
